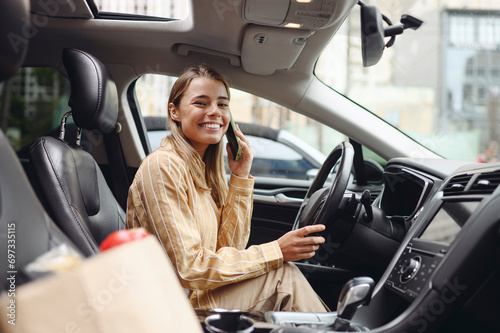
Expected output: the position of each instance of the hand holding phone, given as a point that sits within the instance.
(233, 140)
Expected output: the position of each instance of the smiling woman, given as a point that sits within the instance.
(180, 195)
(202, 113)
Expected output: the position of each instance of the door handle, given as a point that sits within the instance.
(282, 198)
(279, 198)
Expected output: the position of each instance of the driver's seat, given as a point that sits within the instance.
(79, 198)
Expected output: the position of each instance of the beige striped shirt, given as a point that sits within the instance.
(205, 245)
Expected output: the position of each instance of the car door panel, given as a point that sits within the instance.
(276, 204)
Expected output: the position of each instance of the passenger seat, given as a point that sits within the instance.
(78, 196)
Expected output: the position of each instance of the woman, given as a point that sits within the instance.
(180, 194)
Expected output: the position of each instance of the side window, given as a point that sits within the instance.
(32, 104)
(285, 144)
(276, 159)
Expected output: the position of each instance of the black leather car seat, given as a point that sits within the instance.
(79, 198)
(23, 221)
(14, 15)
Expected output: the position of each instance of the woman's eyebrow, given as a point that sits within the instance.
(205, 96)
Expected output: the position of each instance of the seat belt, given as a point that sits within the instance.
(117, 167)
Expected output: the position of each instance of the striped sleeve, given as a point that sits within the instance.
(234, 229)
(163, 199)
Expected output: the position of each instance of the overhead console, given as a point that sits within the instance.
(305, 14)
(280, 29)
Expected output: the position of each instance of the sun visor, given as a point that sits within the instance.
(267, 49)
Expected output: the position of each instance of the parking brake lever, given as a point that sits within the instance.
(355, 293)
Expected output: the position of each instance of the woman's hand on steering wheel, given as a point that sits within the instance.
(297, 244)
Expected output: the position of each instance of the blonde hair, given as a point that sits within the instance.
(213, 178)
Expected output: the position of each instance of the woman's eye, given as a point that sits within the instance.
(223, 105)
(199, 103)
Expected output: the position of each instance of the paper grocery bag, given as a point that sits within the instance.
(130, 288)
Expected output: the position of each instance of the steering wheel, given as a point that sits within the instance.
(321, 204)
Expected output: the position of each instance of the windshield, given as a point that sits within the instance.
(439, 84)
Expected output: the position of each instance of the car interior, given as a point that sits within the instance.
(411, 245)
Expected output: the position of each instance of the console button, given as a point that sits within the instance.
(409, 269)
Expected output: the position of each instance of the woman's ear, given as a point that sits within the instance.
(174, 113)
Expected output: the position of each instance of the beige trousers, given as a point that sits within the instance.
(282, 289)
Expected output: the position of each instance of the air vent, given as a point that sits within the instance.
(374, 195)
(457, 185)
(486, 183)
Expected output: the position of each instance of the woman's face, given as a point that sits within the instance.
(203, 112)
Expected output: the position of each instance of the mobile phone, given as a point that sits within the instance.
(233, 140)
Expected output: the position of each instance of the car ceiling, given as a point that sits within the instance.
(208, 35)
(131, 48)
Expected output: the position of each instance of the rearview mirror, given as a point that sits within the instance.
(373, 32)
(372, 35)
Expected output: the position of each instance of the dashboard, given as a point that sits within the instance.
(444, 272)
(446, 262)
(444, 275)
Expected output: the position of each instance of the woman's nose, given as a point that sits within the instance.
(214, 110)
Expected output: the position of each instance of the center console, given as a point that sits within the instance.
(425, 251)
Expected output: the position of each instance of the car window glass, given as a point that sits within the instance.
(285, 143)
(33, 102)
(152, 94)
(437, 84)
(177, 9)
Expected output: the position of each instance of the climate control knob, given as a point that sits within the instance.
(409, 269)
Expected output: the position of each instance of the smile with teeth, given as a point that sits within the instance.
(211, 126)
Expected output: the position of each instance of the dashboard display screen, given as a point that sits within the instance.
(449, 220)
(402, 193)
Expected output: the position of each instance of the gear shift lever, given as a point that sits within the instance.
(355, 293)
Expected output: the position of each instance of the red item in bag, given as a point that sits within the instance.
(122, 236)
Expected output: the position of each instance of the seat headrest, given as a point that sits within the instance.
(94, 98)
(14, 27)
